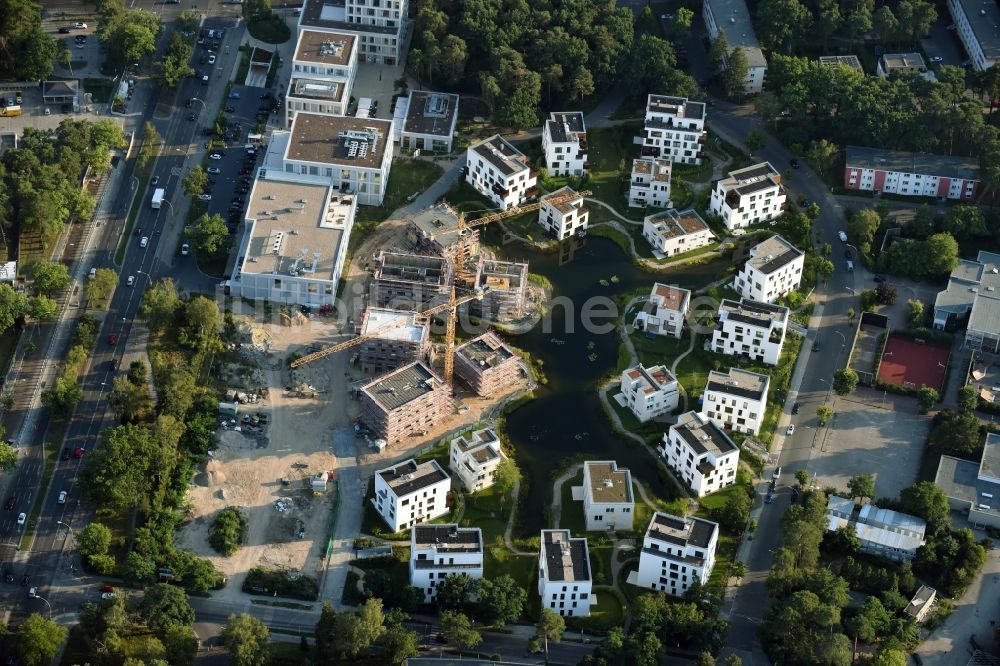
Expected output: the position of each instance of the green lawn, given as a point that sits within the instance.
(571, 513)
(718, 499)
(100, 89)
(692, 371)
(407, 179)
(483, 510)
(608, 149)
(241, 71)
(522, 568)
(465, 198)
(608, 612)
(659, 348)
(651, 431)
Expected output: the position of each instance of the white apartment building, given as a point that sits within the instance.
(426, 121)
(664, 312)
(674, 129)
(500, 172)
(380, 25)
(677, 552)
(736, 399)
(672, 232)
(773, 269)
(733, 18)
(751, 329)
(911, 174)
(650, 183)
(323, 70)
(408, 493)
(607, 496)
(474, 459)
(438, 551)
(748, 196)
(976, 24)
(565, 218)
(700, 453)
(564, 142)
(564, 580)
(649, 392)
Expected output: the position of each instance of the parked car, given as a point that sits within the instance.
(31, 592)
(185, 249)
(791, 429)
(937, 59)
(189, 103)
(205, 197)
(211, 60)
(79, 452)
(65, 453)
(9, 504)
(62, 497)
(144, 241)
(64, 31)
(8, 576)
(131, 281)
(79, 25)
(215, 156)
(113, 339)
(21, 518)
(795, 408)
(776, 474)
(213, 170)
(816, 345)
(794, 163)
(879, 278)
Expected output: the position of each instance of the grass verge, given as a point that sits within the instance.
(142, 173)
(57, 433)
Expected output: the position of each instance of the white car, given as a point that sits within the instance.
(937, 59)
(21, 517)
(62, 497)
(211, 60)
(185, 249)
(215, 156)
(791, 429)
(213, 170)
(32, 592)
(144, 241)
(131, 280)
(842, 236)
(108, 595)
(205, 197)
(79, 25)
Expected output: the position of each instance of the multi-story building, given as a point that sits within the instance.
(921, 604)
(700, 453)
(505, 290)
(664, 312)
(978, 26)
(881, 532)
(900, 63)
(564, 142)
(380, 25)
(500, 172)
(973, 488)
(426, 121)
(650, 183)
(409, 281)
(607, 496)
(751, 329)
(438, 551)
(674, 129)
(972, 297)
(911, 174)
(294, 242)
(408, 493)
(410, 400)
(564, 218)
(487, 365)
(773, 269)
(677, 552)
(564, 580)
(671, 232)
(437, 230)
(323, 71)
(733, 19)
(736, 399)
(474, 459)
(649, 392)
(397, 338)
(851, 61)
(748, 196)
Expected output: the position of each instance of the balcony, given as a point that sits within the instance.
(650, 151)
(497, 189)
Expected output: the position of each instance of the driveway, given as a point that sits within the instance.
(944, 44)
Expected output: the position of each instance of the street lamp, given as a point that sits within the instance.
(47, 604)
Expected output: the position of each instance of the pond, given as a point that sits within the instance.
(566, 418)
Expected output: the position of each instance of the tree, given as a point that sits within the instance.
(8, 456)
(824, 268)
(63, 398)
(735, 512)
(861, 229)
(165, 606)
(955, 434)
(968, 398)
(104, 565)
(160, 304)
(885, 293)
(209, 234)
(102, 284)
(94, 539)
(247, 639)
(754, 141)
(704, 658)
(551, 626)
(927, 397)
(502, 599)
(518, 107)
(195, 181)
(926, 500)
(940, 254)
(13, 305)
(505, 478)
(357, 631)
(822, 155)
(39, 640)
(181, 643)
(42, 308)
(652, 66)
(120, 472)
(718, 52)
(859, 22)
(456, 591)
(397, 644)
(845, 381)
(824, 413)
(326, 643)
(783, 24)
(203, 321)
(885, 24)
(868, 301)
(964, 221)
(680, 28)
(802, 476)
(229, 531)
(915, 313)
(734, 80)
(50, 277)
(129, 401)
(862, 485)
(889, 657)
(458, 630)
(151, 142)
(176, 62)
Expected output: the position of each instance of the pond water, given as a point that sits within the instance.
(566, 418)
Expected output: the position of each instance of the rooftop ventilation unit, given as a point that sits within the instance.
(276, 245)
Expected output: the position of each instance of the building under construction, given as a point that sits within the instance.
(438, 231)
(505, 290)
(487, 365)
(409, 281)
(397, 338)
(407, 401)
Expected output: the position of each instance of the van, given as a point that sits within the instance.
(850, 266)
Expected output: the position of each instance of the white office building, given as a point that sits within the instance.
(439, 551)
(750, 329)
(500, 172)
(564, 142)
(978, 26)
(474, 459)
(748, 196)
(426, 121)
(323, 72)
(733, 18)
(380, 25)
(408, 493)
(607, 496)
(650, 183)
(972, 297)
(672, 232)
(564, 218)
(649, 392)
(736, 399)
(700, 453)
(564, 580)
(881, 532)
(773, 269)
(674, 129)
(664, 312)
(677, 552)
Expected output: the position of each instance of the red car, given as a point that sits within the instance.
(78, 453)
(107, 587)
(112, 338)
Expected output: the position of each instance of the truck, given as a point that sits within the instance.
(10, 111)
(157, 198)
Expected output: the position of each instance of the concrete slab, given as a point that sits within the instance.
(375, 81)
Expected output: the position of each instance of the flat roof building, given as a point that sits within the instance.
(409, 493)
(505, 290)
(911, 174)
(439, 551)
(733, 18)
(410, 400)
(564, 143)
(404, 281)
(380, 34)
(974, 488)
(564, 580)
(650, 183)
(608, 503)
(437, 230)
(701, 453)
(426, 121)
(500, 172)
(736, 399)
(674, 129)
(323, 71)
(474, 459)
(488, 365)
(648, 392)
(882, 532)
(901, 63)
(749, 196)
(842, 60)
(751, 329)
(972, 297)
(773, 269)
(672, 232)
(977, 23)
(677, 552)
(397, 339)
(664, 312)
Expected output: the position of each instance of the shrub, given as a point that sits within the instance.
(229, 530)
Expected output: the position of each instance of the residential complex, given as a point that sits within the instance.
(700, 453)
(672, 232)
(409, 493)
(677, 552)
(900, 63)
(650, 183)
(732, 18)
(505, 290)
(474, 458)
(488, 365)
(773, 269)
(750, 329)
(409, 281)
(437, 551)
(564, 142)
(607, 496)
(565, 217)
(911, 174)
(437, 230)
(978, 26)
(564, 581)
(972, 298)
(881, 532)
(500, 172)
(674, 129)
(323, 72)
(843, 61)
(664, 312)
(736, 399)
(426, 121)
(407, 401)
(396, 338)
(649, 392)
(748, 196)
(974, 488)
(380, 25)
